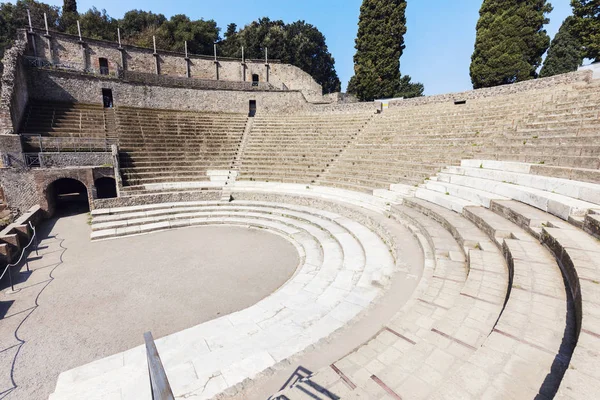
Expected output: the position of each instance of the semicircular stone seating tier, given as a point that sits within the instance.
(344, 268)
(507, 306)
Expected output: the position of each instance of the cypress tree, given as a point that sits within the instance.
(379, 45)
(510, 41)
(565, 53)
(68, 19)
(69, 6)
(587, 26)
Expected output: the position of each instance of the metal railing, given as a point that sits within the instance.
(161, 389)
(32, 160)
(8, 266)
(67, 144)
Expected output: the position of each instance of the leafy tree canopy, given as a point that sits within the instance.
(298, 43)
(565, 54)
(379, 46)
(510, 41)
(586, 26)
(14, 16)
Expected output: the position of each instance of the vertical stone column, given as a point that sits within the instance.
(157, 59)
(123, 58)
(117, 169)
(187, 62)
(84, 55)
(156, 56)
(32, 38)
(50, 50)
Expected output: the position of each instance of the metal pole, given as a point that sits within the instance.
(266, 55)
(242, 54)
(46, 23)
(215, 51)
(186, 51)
(79, 30)
(119, 35)
(154, 41)
(12, 286)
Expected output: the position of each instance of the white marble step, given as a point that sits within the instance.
(475, 196)
(443, 199)
(584, 191)
(406, 190)
(359, 199)
(556, 204)
(389, 196)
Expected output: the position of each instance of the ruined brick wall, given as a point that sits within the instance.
(14, 94)
(503, 90)
(19, 189)
(73, 87)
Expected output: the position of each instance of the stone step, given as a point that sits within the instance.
(443, 199)
(556, 204)
(330, 308)
(475, 196)
(584, 191)
(578, 255)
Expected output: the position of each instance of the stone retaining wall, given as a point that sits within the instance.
(62, 86)
(337, 108)
(75, 159)
(19, 189)
(14, 95)
(503, 90)
(207, 195)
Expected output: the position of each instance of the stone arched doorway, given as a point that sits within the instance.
(106, 188)
(68, 196)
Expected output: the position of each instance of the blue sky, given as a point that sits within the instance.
(439, 42)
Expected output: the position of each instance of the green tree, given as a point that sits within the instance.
(69, 6)
(231, 42)
(298, 43)
(98, 24)
(379, 46)
(135, 22)
(14, 16)
(68, 18)
(409, 89)
(200, 34)
(587, 26)
(510, 41)
(565, 53)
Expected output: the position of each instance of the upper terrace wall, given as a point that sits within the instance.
(62, 86)
(533, 84)
(68, 50)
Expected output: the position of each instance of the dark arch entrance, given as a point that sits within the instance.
(67, 195)
(106, 188)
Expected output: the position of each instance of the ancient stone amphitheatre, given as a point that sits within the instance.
(281, 244)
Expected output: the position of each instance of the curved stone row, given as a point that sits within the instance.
(345, 267)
